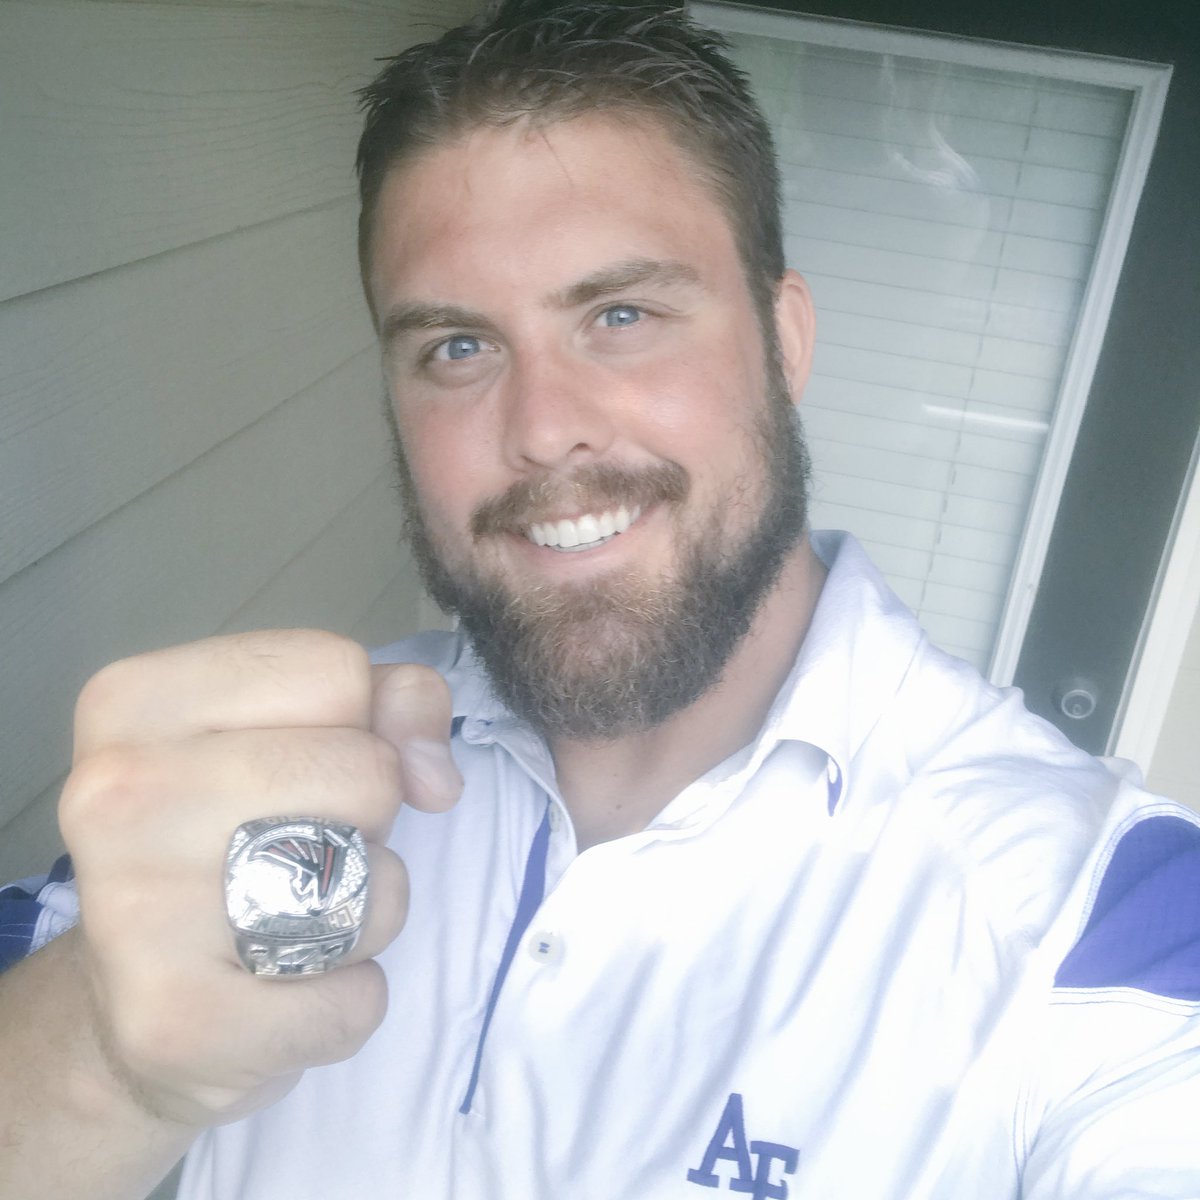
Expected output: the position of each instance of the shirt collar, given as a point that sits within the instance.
(859, 646)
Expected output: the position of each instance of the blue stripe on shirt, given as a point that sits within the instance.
(533, 890)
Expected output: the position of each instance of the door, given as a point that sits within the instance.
(1058, 421)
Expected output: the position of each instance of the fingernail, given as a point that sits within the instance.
(432, 767)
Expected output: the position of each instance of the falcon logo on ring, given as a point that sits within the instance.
(312, 864)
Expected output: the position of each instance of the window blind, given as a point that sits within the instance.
(948, 217)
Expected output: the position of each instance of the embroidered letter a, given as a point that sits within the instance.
(729, 1143)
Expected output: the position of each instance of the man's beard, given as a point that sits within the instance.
(619, 654)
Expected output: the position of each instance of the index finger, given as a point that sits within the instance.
(274, 679)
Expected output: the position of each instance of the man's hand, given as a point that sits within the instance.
(174, 750)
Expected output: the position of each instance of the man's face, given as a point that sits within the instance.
(595, 440)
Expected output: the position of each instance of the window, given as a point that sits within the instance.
(961, 210)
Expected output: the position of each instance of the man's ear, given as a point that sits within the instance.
(796, 326)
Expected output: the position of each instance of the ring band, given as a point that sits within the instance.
(295, 893)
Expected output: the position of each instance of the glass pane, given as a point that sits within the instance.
(947, 218)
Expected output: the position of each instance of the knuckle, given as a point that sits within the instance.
(349, 659)
(412, 698)
(105, 691)
(423, 681)
(106, 791)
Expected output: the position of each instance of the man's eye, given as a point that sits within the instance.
(457, 348)
(620, 315)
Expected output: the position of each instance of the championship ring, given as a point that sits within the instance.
(295, 893)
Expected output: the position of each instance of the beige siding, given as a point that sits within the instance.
(190, 428)
(1175, 768)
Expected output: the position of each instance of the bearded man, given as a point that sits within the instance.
(748, 888)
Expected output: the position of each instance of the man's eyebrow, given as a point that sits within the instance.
(405, 318)
(416, 315)
(621, 276)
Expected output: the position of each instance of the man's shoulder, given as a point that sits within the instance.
(1056, 843)
(1028, 821)
(1141, 921)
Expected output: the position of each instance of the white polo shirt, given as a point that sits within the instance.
(910, 943)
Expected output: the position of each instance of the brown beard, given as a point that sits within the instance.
(621, 654)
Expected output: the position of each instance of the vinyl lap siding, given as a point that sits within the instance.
(190, 429)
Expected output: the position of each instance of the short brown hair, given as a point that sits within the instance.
(546, 61)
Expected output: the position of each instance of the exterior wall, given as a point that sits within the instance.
(191, 438)
(1175, 768)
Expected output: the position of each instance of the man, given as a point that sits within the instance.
(749, 888)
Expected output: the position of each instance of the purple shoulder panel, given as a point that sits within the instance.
(1144, 928)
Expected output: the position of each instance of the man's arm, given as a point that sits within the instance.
(124, 1038)
(65, 1119)
(1114, 1110)
(1131, 1126)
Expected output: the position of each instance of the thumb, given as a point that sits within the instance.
(410, 708)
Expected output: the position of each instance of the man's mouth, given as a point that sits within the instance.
(585, 532)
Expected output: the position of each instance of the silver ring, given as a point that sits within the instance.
(295, 893)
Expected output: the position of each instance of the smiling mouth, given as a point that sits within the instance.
(583, 533)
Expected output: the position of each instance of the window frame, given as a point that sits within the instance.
(1147, 84)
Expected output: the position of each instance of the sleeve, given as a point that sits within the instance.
(1115, 1113)
(1131, 1127)
(32, 911)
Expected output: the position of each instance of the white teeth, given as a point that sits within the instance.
(568, 534)
(588, 529)
(583, 532)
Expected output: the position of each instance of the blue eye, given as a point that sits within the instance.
(620, 315)
(460, 347)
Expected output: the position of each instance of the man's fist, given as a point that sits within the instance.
(174, 750)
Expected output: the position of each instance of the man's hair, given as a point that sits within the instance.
(546, 61)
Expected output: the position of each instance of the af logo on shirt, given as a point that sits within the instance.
(756, 1162)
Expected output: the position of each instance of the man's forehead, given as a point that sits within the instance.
(474, 157)
(612, 183)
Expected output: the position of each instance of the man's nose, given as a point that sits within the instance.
(557, 412)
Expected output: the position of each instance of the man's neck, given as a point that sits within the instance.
(616, 788)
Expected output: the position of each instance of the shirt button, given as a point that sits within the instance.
(545, 947)
(555, 817)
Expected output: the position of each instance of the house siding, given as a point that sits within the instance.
(191, 430)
